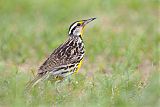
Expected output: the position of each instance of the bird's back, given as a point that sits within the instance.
(65, 58)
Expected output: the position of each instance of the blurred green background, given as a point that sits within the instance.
(121, 65)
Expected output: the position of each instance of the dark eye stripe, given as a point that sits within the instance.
(78, 24)
(73, 27)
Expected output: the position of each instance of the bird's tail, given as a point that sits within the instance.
(33, 82)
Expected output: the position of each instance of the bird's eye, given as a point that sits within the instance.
(78, 24)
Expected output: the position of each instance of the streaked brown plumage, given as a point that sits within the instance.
(66, 59)
(65, 56)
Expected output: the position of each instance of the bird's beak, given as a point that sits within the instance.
(87, 21)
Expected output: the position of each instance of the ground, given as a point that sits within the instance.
(121, 65)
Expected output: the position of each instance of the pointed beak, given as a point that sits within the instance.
(88, 20)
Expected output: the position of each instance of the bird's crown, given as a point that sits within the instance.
(77, 27)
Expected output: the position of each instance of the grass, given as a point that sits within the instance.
(121, 65)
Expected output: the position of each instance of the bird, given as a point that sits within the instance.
(67, 58)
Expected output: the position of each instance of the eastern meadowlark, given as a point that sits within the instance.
(67, 58)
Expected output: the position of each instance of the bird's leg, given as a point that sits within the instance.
(58, 82)
(56, 86)
(69, 83)
(69, 79)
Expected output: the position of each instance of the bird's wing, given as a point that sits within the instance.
(65, 54)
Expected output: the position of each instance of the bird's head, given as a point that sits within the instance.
(76, 28)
